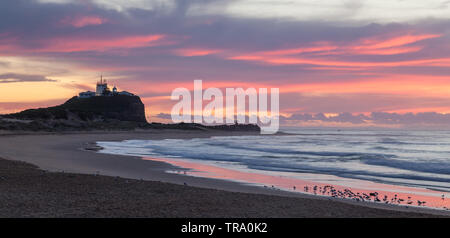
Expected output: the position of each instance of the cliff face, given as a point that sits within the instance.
(119, 107)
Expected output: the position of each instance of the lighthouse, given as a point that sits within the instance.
(102, 86)
(103, 90)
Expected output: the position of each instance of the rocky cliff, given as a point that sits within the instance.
(103, 108)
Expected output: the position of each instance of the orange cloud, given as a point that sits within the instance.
(195, 52)
(408, 85)
(389, 51)
(13, 106)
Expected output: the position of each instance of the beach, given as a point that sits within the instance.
(65, 177)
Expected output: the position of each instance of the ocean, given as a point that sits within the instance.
(412, 163)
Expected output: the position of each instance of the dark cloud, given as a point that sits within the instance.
(377, 118)
(15, 78)
(411, 118)
(163, 116)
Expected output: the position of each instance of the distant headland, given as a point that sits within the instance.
(104, 109)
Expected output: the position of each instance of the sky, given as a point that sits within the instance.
(337, 63)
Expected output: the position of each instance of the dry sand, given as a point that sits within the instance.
(78, 192)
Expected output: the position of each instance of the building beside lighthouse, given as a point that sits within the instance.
(102, 89)
(86, 94)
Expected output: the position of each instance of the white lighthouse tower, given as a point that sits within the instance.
(103, 90)
(101, 87)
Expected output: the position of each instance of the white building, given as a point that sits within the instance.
(86, 94)
(103, 90)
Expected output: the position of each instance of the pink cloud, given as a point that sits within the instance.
(96, 44)
(190, 52)
(331, 62)
(9, 44)
(376, 43)
(82, 21)
(369, 46)
(389, 51)
(300, 50)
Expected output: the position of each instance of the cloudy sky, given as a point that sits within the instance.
(337, 62)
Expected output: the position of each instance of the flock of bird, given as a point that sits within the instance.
(328, 190)
(331, 191)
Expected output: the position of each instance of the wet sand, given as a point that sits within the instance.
(79, 192)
